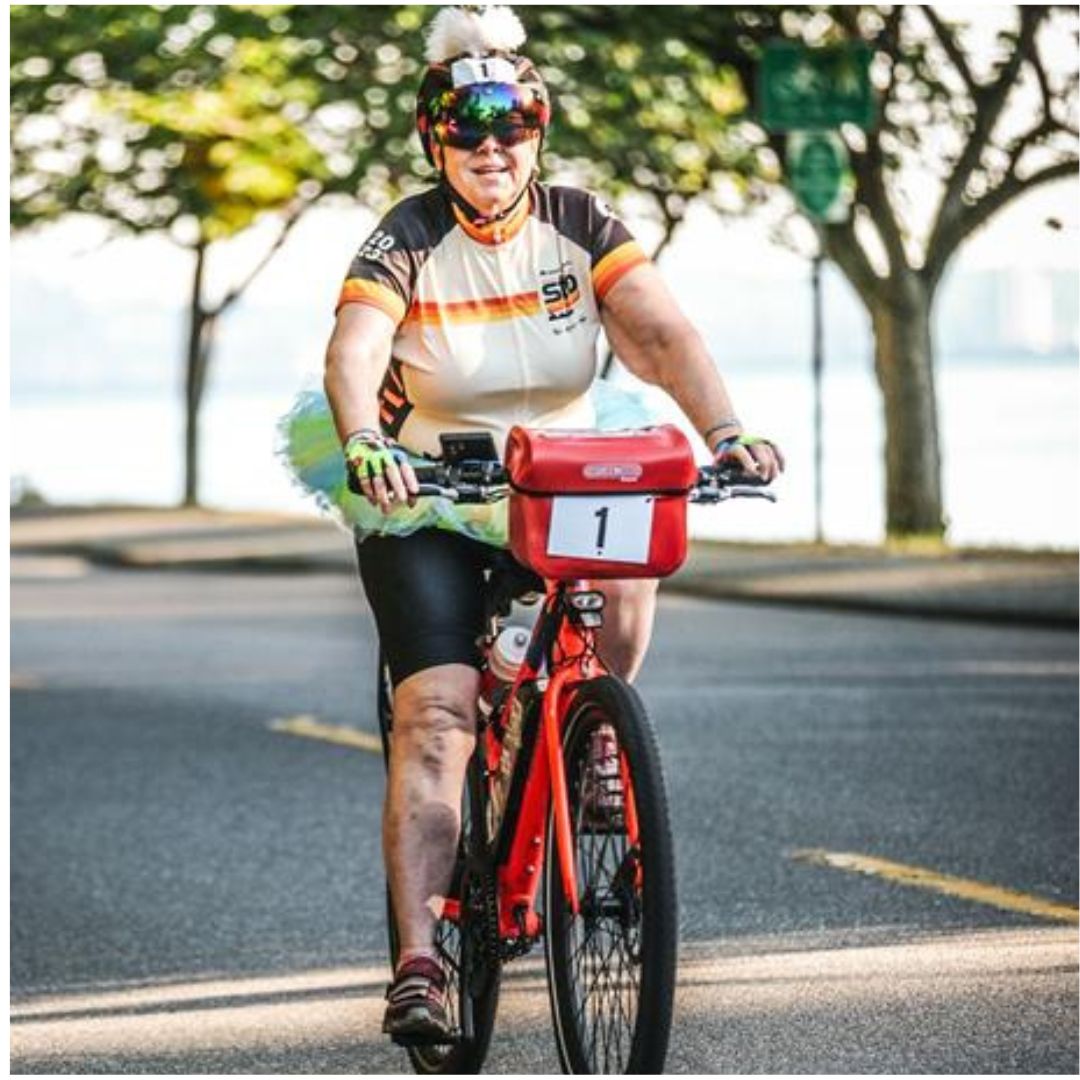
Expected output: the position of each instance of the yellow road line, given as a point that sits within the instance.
(307, 727)
(920, 878)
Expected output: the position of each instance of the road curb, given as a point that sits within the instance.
(707, 590)
(1036, 589)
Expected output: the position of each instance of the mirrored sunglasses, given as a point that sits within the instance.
(465, 117)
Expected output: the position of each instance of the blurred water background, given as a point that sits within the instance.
(96, 414)
(1010, 442)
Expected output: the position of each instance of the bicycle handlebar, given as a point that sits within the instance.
(487, 482)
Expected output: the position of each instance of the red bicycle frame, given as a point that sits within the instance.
(571, 648)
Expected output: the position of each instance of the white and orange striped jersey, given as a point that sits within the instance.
(496, 325)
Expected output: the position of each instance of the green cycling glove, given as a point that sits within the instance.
(367, 454)
(725, 446)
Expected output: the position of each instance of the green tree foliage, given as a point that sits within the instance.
(639, 112)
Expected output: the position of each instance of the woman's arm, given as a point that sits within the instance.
(356, 361)
(657, 343)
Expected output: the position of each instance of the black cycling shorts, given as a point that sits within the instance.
(427, 592)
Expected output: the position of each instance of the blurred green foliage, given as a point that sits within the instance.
(161, 117)
(172, 116)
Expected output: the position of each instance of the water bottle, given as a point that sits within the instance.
(504, 661)
(508, 652)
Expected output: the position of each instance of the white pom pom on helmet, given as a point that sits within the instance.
(474, 70)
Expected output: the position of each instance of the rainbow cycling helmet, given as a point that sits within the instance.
(476, 84)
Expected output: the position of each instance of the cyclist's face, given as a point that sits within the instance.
(493, 175)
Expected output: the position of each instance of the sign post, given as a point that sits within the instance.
(817, 168)
(815, 89)
(818, 368)
(807, 94)
(818, 173)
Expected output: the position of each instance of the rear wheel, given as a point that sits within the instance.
(611, 967)
(470, 986)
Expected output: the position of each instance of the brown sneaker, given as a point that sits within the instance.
(415, 1011)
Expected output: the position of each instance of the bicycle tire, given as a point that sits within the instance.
(457, 952)
(611, 968)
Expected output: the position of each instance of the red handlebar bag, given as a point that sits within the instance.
(599, 504)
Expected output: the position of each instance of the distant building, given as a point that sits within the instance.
(1026, 310)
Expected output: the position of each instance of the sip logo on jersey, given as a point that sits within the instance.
(560, 292)
(376, 246)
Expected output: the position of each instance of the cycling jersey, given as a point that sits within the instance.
(496, 325)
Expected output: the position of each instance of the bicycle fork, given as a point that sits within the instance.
(564, 839)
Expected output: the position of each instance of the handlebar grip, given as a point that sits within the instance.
(729, 475)
(430, 475)
(433, 480)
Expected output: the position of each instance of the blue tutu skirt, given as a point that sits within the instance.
(309, 447)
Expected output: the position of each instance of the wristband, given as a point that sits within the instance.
(727, 422)
(362, 437)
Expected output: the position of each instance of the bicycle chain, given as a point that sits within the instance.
(490, 900)
(483, 907)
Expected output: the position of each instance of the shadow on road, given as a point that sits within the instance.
(886, 1007)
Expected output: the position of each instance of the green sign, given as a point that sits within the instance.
(804, 88)
(817, 169)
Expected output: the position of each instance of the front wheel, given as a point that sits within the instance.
(611, 966)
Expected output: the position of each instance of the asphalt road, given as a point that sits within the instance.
(192, 891)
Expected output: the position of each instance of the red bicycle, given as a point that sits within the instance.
(565, 831)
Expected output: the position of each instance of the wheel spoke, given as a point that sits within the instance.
(601, 944)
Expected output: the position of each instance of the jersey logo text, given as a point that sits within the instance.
(560, 292)
(377, 245)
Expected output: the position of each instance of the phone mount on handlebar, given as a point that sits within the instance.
(462, 447)
(469, 470)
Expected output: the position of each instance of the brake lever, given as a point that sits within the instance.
(429, 491)
(747, 491)
(476, 494)
(715, 492)
(479, 493)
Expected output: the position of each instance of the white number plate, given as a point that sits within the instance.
(613, 528)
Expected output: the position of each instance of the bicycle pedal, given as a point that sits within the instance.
(409, 1040)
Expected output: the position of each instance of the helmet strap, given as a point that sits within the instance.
(472, 215)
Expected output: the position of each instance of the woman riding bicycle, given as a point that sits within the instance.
(473, 307)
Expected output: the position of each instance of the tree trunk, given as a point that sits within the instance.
(200, 334)
(904, 362)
